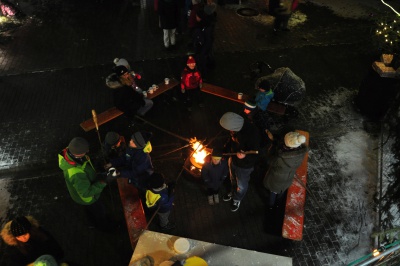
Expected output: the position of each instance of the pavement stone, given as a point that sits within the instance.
(54, 71)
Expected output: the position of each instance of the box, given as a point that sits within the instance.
(384, 71)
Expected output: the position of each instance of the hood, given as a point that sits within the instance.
(112, 81)
(64, 161)
(8, 238)
(151, 198)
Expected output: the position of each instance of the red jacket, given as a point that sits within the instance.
(190, 79)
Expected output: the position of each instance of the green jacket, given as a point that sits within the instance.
(80, 179)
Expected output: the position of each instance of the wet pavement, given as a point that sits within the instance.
(52, 73)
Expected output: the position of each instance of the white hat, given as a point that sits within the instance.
(122, 62)
(231, 121)
(294, 139)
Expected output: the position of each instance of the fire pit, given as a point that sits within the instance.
(194, 163)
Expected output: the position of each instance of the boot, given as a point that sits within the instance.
(216, 198)
(210, 200)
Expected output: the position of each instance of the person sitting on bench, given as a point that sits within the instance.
(127, 98)
(264, 95)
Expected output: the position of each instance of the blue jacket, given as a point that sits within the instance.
(213, 175)
(162, 198)
(136, 164)
(263, 99)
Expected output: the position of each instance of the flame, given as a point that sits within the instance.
(200, 152)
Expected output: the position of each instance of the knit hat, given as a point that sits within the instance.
(191, 60)
(156, 180)
(216, 152)
(122, 62)
(294, 139)
(120, 70)
(78, 146)
(112, 138)
(231, 121)
(20, 226)
(250, 105)
(140, 138)
(45, 260)
(265, 85)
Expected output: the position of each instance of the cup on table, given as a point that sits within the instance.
(240, 95)
(155, 87)
(166, 80)
(145, 94)
(151, 90)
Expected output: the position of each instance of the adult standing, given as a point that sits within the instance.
(288, 157)
(282, 12)
(83, 184)
(168, 10)
(244, 138)
(28, 241)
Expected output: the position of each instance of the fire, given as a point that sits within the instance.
(199, 152)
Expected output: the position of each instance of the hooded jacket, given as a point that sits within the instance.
(214, 174)
(80, 179)
(40, 243)
(280, 174)
(191, 78)
(162, 198)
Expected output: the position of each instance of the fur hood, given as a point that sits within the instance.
(112, 81)
(8, 238)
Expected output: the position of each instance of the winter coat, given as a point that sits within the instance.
(137, 164)
(214, 175)
(81, 180)
(162, 198)
(192, 22)
(128, 100)
(263, 99)
(40, 243)
(191, 79)
(168, 11)
(247, 139)
(280, 174)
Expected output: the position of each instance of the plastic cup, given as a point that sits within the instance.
(166, 80)
(240, 95)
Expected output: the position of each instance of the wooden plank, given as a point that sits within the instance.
(273, 107)
(102, 118)
(296, 196)
(113, 112)
(133, 210)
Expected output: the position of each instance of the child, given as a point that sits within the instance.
(161, 196)
(264, 95)
(191, 82)
(214, 172)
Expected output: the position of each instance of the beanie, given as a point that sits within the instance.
(45, 260)
(216, 152)
(78, 146)
(250, 105)
(140, 138)
(265, 85)
(191, 60)
(112, 138)
(120, 70)
(122, 62)
(156, 180)
(231, 121)
(20, 226)
(294, 139)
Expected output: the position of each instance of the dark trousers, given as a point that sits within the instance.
(96, 213)
(211, 191)
(274, 198)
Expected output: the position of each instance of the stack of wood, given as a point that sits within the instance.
(383, 67)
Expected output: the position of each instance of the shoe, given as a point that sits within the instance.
(216, 198)
(210, 200)
(169, 226)
(227, 197)
(235, 205)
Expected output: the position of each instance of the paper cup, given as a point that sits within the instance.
(150, 90)
(155, 87)
(166, 80)
(240, 95)
(145, 93)
(181, 245)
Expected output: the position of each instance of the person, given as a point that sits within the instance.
(282, 12)
(264, 95)
(128, 77)
(114, 146)
(214, 171)
(47, 260)
(28, 241)
(191, 83)
(83, 184)
(160, 196)
(127, 97)
(136, 163)
(244, 138)
(288, 157)
(168, 12)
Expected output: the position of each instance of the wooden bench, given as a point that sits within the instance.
(296, 196)
(114, 112)
(133, 210)
(273, 107)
